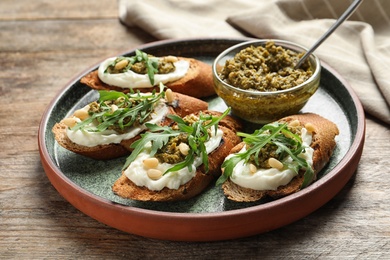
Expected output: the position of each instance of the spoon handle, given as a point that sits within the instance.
(339, 21)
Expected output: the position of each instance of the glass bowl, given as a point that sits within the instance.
(262, 107)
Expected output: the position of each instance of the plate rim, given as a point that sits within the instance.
(197, 231)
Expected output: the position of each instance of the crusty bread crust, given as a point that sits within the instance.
(198, 82)
(182, 106)
(323, 143)
(125, 188)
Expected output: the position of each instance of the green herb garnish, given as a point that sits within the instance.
(278, 134)
(131, 109)
(197, 133)
(151, 64)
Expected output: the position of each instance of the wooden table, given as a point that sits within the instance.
(44, 44)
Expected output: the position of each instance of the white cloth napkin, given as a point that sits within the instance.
(359, 49)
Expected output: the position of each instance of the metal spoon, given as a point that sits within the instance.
(342, 18)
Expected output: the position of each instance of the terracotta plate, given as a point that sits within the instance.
(86, 183)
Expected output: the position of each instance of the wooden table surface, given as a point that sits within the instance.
(44, 44)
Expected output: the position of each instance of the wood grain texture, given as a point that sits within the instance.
(43, 45)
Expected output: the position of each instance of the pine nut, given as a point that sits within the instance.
(252, 168)
(154, 174)
(69, 122)
(169, 95)
(294, 123)
(170, 59)
(184, 148)
(81, 114)
(114, 108)
(120, 65)
(151, 163)
(310, 127)
(274, 163)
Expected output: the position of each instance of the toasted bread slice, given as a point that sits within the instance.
(127, 189)
(198, 82)
(323, 143)
(182, 106)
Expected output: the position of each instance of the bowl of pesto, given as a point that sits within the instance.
(257, 79)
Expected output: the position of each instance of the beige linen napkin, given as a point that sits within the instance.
(359, 50)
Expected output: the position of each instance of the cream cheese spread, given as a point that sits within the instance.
(137, 173)
(130, 79)
(270, 179)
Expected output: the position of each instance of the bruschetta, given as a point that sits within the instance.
(144, 72)
(106, 128)
(178, 162)
(279, 159)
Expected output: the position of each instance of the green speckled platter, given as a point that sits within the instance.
(86, 183)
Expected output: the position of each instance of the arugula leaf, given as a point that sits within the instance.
(278, 134)
(228, 166)
(152, 68)
(105, 95)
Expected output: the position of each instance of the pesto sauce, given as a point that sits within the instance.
(170, 153)
(265, 68)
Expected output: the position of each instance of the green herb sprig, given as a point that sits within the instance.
(151, 63)
(134, 107)
(197, 137)
(278, 134)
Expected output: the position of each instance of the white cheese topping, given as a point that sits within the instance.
(91, 139)
(130, 79)
(270, 179)
(137, 173)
